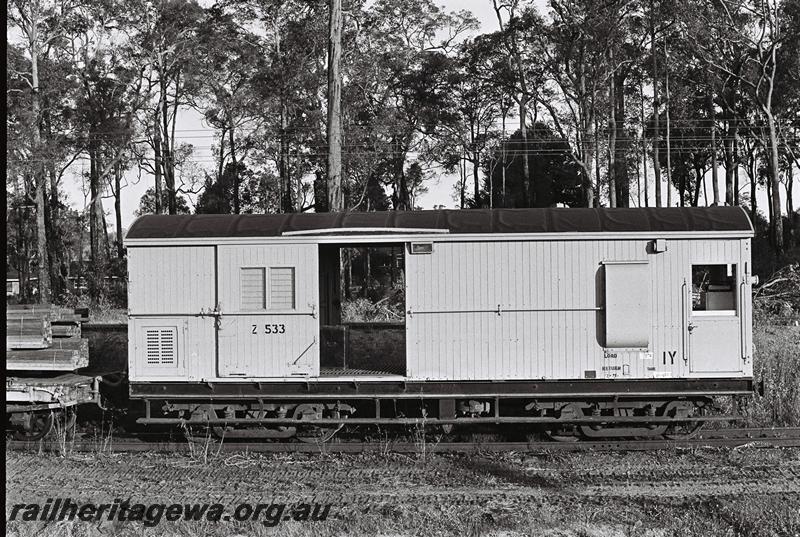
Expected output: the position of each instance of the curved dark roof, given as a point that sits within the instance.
(550, 220)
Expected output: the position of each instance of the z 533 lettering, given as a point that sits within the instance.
(271, 329)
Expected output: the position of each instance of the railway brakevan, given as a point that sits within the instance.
(593, 322)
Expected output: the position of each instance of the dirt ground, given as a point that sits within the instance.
(687, 492)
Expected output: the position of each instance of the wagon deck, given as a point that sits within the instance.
(62, 391)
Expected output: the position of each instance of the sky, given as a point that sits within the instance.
(191, 128)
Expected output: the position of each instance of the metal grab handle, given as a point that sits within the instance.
(686, 321)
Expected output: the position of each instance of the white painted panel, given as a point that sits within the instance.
(527, 310)
(282, 340)
(264, 345)
(170, 280)
(194, 355)
(627, 302)
(714, 345)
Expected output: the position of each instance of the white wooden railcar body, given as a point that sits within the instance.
(532, 304)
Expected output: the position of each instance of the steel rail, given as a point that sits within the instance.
(723, 438)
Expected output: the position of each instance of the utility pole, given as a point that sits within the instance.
(335, 198)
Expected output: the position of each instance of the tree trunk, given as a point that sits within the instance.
(790, 204)
(56, 249)
(96, 226)
(751, 173)
(775, 198)
(118, 209)
(287, 201)
(476, 181)
(523, 130)
(169, 161)
(503, 144)
(335, 195)
(622, 145)
(714, 168)
(770, 211)
(730, 164)
(39, 178)
(656, 163)
(698, 171)
(644, 149)
(462, 172)
(235, 165)
(736, 200)
(595, 190)
(476, 178)
(157, 161)
(666, 114)
(589, 150)
(298, 179)
(367, 272)
(612, 136)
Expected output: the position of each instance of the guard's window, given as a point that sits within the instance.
(714, 288)
(253, 289)
(281, 288)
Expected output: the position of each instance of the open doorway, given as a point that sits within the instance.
(362, 309)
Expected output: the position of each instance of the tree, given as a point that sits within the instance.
(147, 203)
(335, 198)
(34, 19)
(549, 158)
(226, 60)
(741, 41)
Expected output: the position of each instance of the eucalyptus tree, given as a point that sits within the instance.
(288, 85)
(164, 33)
(742, 41)
(515, 21)
(112, 86)
(397, 91)
(226, 59)
(39, 24)
(575, 46)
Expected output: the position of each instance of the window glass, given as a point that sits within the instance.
(253, 289)
(281, 288)
(714, 288)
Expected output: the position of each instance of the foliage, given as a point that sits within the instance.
(778, 298)
(556, 178)
(600, 88)
(776, 367)
(147, 203)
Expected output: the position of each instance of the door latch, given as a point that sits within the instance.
(691, 327)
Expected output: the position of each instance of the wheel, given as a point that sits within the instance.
(64, 422)
(566, 432)
(681, 430)
(562, 434)
(34, 426)
(313, 434)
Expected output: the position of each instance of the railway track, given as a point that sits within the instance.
(721, 438)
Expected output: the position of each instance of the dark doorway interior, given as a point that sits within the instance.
(362, 310)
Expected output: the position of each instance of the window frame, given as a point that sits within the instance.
(264, 285)
(734, 312)
(270, 306)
